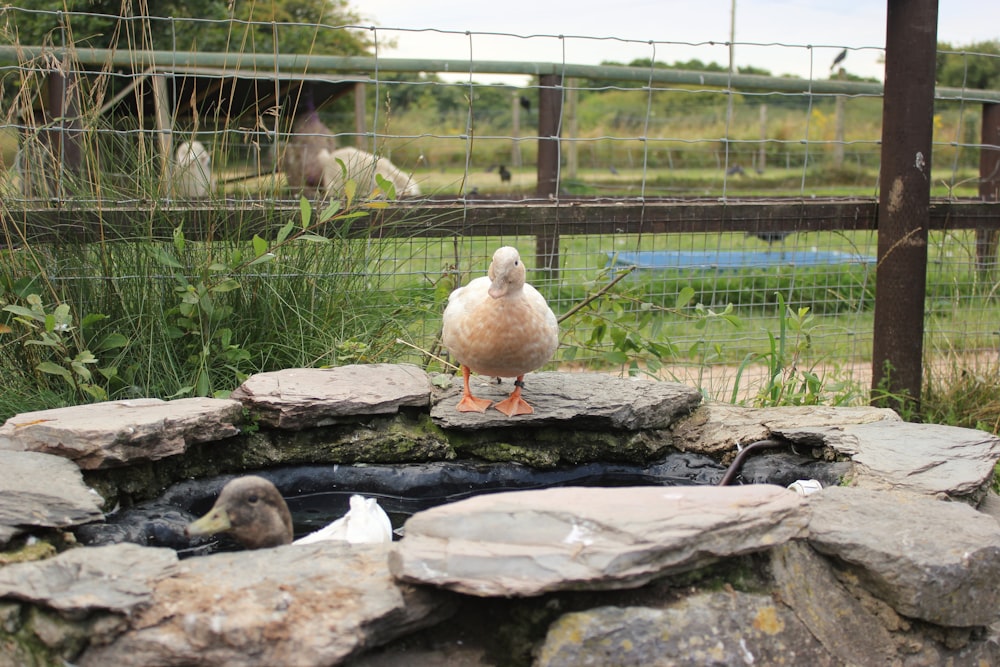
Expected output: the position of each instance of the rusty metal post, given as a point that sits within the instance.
(549, 124)
(904, 202)
(989, 184)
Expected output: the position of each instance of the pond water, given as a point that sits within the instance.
(319, 494)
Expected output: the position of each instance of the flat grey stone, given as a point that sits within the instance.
(116, 433)
(923, 458)
(835, 617)
(718, 428)
(299, 398)
(579, 400)
(117, 578)
(574, 538)
(731, 628)
(314, 604)
(41, 490)
(929, 559)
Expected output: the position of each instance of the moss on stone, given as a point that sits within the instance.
(23, 553)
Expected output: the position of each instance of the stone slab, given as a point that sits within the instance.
(299, 398)
(574, 538)
(577, 400)
(117, 433)
(41, 490)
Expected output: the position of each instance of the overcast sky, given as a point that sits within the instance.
(621, 30)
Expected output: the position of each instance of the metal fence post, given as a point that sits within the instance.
(989, 184)
(904, 202)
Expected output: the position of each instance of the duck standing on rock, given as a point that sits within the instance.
(252, 511)
(499, 326)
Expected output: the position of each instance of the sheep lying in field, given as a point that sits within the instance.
(361, 167)
(300, 155)
(193, 170)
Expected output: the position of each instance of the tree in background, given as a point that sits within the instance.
(973, 66)
(282, 26)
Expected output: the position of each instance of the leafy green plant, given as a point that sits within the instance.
(200, 319)
(792, 378)
(615, 323)
(72, 352)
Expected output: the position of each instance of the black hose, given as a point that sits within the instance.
(737, 464)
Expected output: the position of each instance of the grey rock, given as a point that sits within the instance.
(718, 428)
(116, 578)
(116, 433)
(531, 542)
(41, 490)
(933, 560)
(299, 398)
(924, 458)
(725, 628)
(295, 605)
(835, 617)
(585, 400)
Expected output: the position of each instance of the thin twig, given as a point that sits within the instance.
(596, 295)
(429, 354)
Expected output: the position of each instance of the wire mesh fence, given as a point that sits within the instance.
(188, 151)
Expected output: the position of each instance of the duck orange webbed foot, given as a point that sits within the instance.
(470, 403)
(514, 404)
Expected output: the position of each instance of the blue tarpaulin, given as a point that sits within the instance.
(732, 260)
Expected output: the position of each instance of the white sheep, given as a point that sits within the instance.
(193, 170)
(361, 167)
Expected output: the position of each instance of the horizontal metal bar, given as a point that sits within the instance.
(254, 63)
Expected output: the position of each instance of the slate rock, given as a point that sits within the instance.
(718, 428)
(929, 559)
(724, 628)
(41, 490)
(299, 398)
(117, 433)
(117, 578)
(312, 604)
(835, 617)
(923, 458)
(574, 538)
(577, 400)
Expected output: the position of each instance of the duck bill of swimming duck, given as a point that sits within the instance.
(216, 521)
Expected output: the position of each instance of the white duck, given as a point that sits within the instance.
(253, 512)
(499, 326)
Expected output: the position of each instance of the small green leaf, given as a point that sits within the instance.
(441, 380)
(284, 232)
(227, 285)
(305, 211)
(259, 246)
(684, 297)
(25, 312)
(51, 368)
(263, 259)
(330, 211)
(112, 341)
(166, 259)
(314, 238)
(91, 319)
(179, 238)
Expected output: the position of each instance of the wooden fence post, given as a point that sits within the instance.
(549, 124)
(989, 184)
